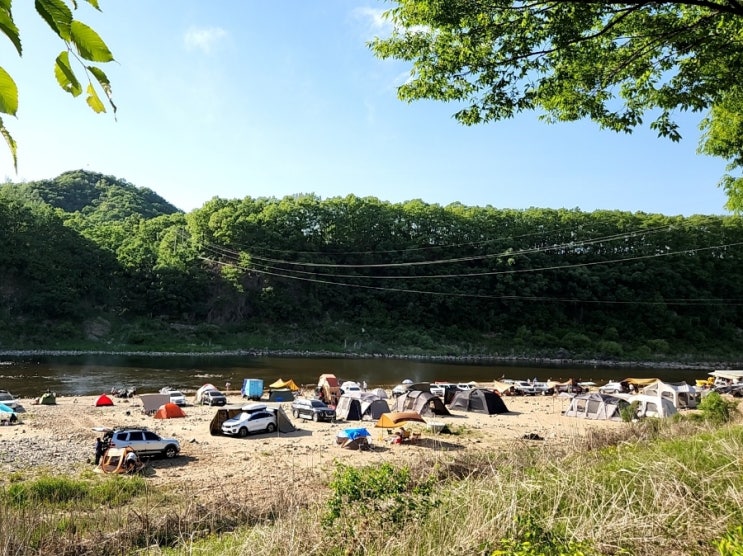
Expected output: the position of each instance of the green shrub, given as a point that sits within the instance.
(47, 490)
(715, 409)
(731, 544)
(628, 412)
(609, 348)
(371, 488)
(658, 346)
(532, 540)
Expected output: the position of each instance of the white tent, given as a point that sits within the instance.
(652, 406)
(200, 392)
(593, 405)
(681, 394)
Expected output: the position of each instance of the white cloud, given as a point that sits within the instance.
(204, 39)
(374, 19)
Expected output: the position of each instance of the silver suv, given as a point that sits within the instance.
(143, 441)
(213, 397)
(312, 409)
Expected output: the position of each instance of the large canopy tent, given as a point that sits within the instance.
(594, 405)
(282, 384)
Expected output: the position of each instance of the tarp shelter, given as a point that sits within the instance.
(215, 426)
(200, 393)
(478, 400)
(152, 402)
(280, 384)
(103, 401)
(421, 402)
(281, 395)
(169, 411)
(113, 460)
(283, 423)
(357, 406)
(48, 398)
(681, 394)
(593, 405)
(398, 419)
(353, 439)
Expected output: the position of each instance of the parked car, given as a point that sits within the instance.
(261, 420)
(143, 441)
(213, 397)
(6, 398)
(176, 396)
(612, 387)
(312, 409)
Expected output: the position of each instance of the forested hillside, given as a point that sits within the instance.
(92, 261)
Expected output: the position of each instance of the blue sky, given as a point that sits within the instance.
(236, 99)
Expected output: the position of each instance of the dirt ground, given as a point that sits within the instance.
(61, 438)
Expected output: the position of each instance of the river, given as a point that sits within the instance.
(80, 375)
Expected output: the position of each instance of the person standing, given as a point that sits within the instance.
(98, 450)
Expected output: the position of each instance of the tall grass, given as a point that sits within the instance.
(668, 487)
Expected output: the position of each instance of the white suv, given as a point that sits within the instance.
(143, 441)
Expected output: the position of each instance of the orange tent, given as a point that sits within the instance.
(169, 411)
(398, 419)
(103, 400)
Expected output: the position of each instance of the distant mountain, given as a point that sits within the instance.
(95, 195)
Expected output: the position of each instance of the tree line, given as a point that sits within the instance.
(362, 273)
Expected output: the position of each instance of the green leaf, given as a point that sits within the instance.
(94, 100)
(11, 144)
(65, 76)
(8, 94)
(9, 29)
(105, 84)
(57, 15)
(94, 3)
(89, 44)
(6, 5)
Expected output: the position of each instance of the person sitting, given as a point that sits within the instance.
(131, 462)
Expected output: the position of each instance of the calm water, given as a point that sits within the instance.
(90, 375)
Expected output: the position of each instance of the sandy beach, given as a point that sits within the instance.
(60, 439)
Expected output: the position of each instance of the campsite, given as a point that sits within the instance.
(308, 453)
(261, 470)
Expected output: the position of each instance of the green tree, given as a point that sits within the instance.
(81, 42)
(612, 62)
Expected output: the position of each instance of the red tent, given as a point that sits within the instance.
(103, 400)
(169, 411)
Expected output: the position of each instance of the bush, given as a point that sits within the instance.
(715, 409)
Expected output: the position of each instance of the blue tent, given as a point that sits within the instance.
(5, 409)
(353, 434)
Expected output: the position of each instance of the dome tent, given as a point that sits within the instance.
(169, 411)
(478, 400)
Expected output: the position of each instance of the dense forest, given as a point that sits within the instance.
(93, 262)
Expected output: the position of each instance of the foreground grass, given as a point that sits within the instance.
(667, 487)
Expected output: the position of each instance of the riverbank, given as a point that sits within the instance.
(61, 438)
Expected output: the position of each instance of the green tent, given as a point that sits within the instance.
(48, 398)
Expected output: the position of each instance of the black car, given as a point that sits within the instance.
(312, 409)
